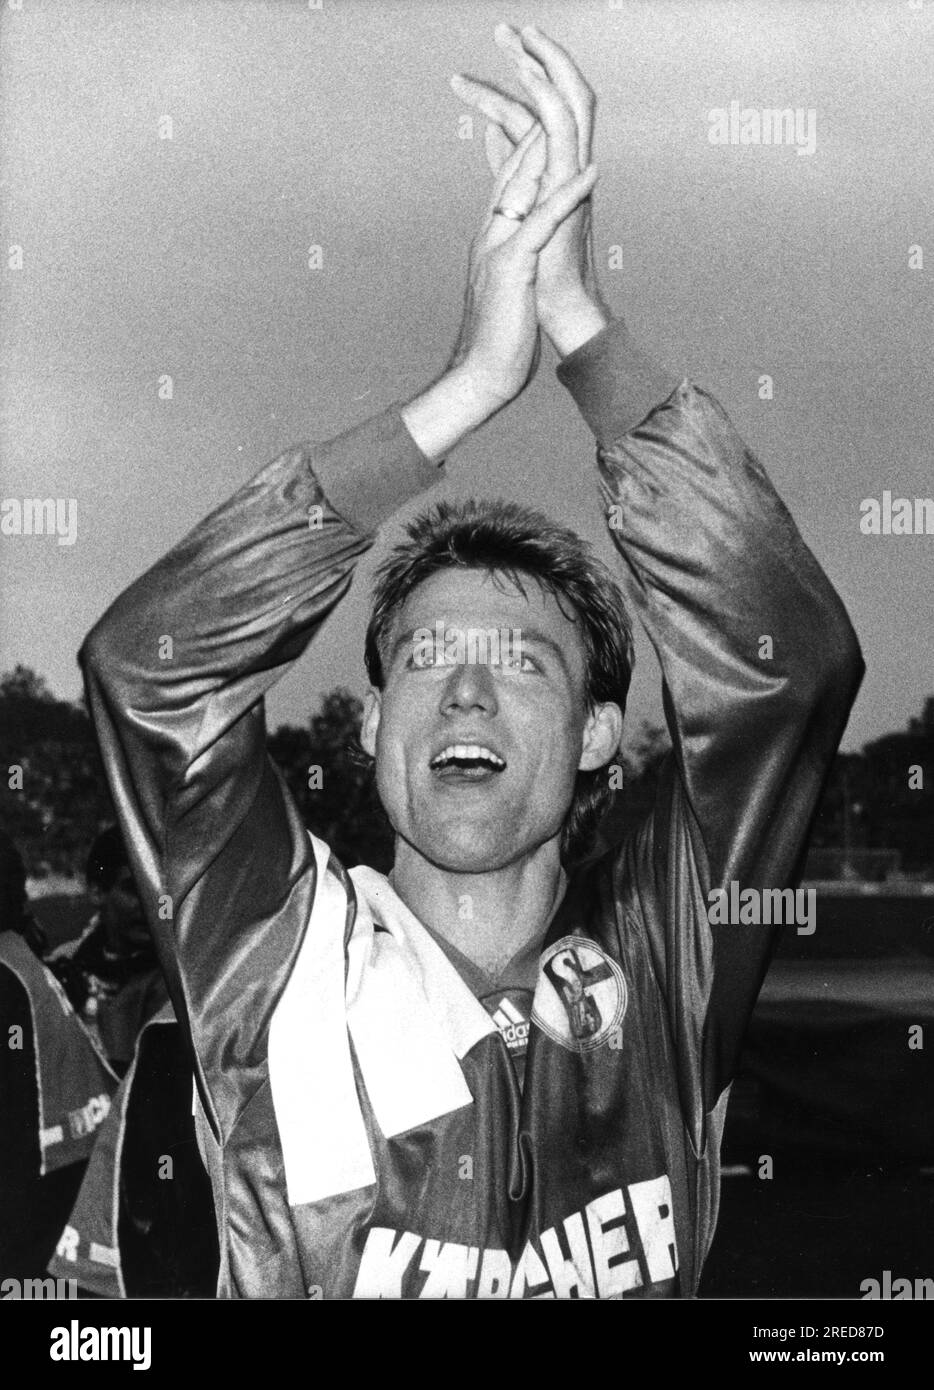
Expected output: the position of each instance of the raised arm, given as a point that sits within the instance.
(759, 660)
(760, 668)
(177, 669)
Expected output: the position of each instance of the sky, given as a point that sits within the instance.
(294, 126)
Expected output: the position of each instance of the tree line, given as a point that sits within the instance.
(54, 797)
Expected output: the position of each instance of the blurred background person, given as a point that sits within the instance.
(110, 973)
(55, 1087)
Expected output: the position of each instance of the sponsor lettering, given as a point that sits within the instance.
(622, 1240)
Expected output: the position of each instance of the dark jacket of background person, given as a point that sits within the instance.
(142, 1225)
(55, 1089)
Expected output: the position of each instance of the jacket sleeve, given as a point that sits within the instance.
(760, 667)
(175, 673)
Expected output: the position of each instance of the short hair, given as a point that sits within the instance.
(106, 857)
(505, 538)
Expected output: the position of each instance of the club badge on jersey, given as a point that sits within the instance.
(582, 996)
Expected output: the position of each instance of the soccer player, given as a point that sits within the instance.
(369, 1122)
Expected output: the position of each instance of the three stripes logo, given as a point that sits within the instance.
(512, 1023)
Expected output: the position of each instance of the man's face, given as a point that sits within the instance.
(476, 748)
(122, 915)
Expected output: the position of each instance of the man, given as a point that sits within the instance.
(55, 1088)
(129, 1230)
(367, 1130)
(111, 973)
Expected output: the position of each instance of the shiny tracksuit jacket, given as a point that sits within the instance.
(421, 1168)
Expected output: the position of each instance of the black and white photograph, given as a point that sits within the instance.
(466, 683)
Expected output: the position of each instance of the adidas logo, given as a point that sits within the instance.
(513, 1027)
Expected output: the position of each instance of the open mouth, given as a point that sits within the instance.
(469, 762)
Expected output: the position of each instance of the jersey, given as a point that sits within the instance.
(506, 994)
(358, 1109)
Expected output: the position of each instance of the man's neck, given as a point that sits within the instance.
(488, 917)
